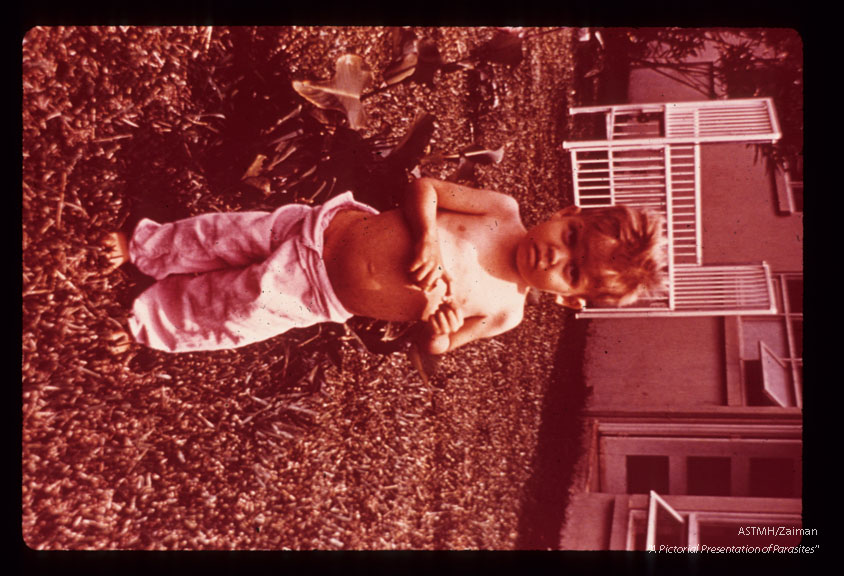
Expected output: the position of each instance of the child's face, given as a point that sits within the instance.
(563, 255)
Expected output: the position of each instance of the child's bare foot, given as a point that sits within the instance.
(117, 250)
(119, 342)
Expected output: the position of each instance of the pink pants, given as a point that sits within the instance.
(230, 279)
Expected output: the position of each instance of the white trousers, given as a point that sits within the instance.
(227, 280)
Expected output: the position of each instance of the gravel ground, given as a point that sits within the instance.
(305, 441)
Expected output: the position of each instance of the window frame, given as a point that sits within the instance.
(696, 518)
(614, 450)
(736, 375)
(628, 511)
(786, 203)
(655, 501)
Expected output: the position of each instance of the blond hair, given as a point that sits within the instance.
(638, 260)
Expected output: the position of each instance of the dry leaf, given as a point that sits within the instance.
(259, 182)
(465, 171)
(416, 360)
(413, 144)
(481, 155)
(473, 152)
(403, 67)
(429, 61)
(342, 92)
(419, 61)
(470, 156)
(255, 168)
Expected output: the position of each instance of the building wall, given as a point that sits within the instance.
(739, 212)
(639, 363)
(635, 363)
(739, 201)
(639, 366)
(648, 363)
(649, 86)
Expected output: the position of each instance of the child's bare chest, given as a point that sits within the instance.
(474, 252)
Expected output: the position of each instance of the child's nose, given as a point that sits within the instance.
(554, 255)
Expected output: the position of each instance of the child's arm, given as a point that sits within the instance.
(433, 193)
(424, 197)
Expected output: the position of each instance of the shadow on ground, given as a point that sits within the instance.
(547, 490)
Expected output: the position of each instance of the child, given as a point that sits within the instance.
(457, 258)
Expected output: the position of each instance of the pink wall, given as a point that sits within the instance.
(648, 86)
(740, 220)
(652, 363)
(645, 85)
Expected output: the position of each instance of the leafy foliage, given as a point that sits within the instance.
(663, 44)
(768, 64)
(410, 149)
(342, 92)
(418, 60)
(749, 63)
(467, 158)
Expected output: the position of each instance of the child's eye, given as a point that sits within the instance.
(571, 236)
(574, 275)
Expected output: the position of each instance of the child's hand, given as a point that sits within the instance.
(427, 267)
(447, 319)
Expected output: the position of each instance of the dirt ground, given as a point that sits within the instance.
(308, 440)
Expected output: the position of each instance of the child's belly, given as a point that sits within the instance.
(367, 262)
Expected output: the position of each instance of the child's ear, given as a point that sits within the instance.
(567, 211)
(572, 302)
